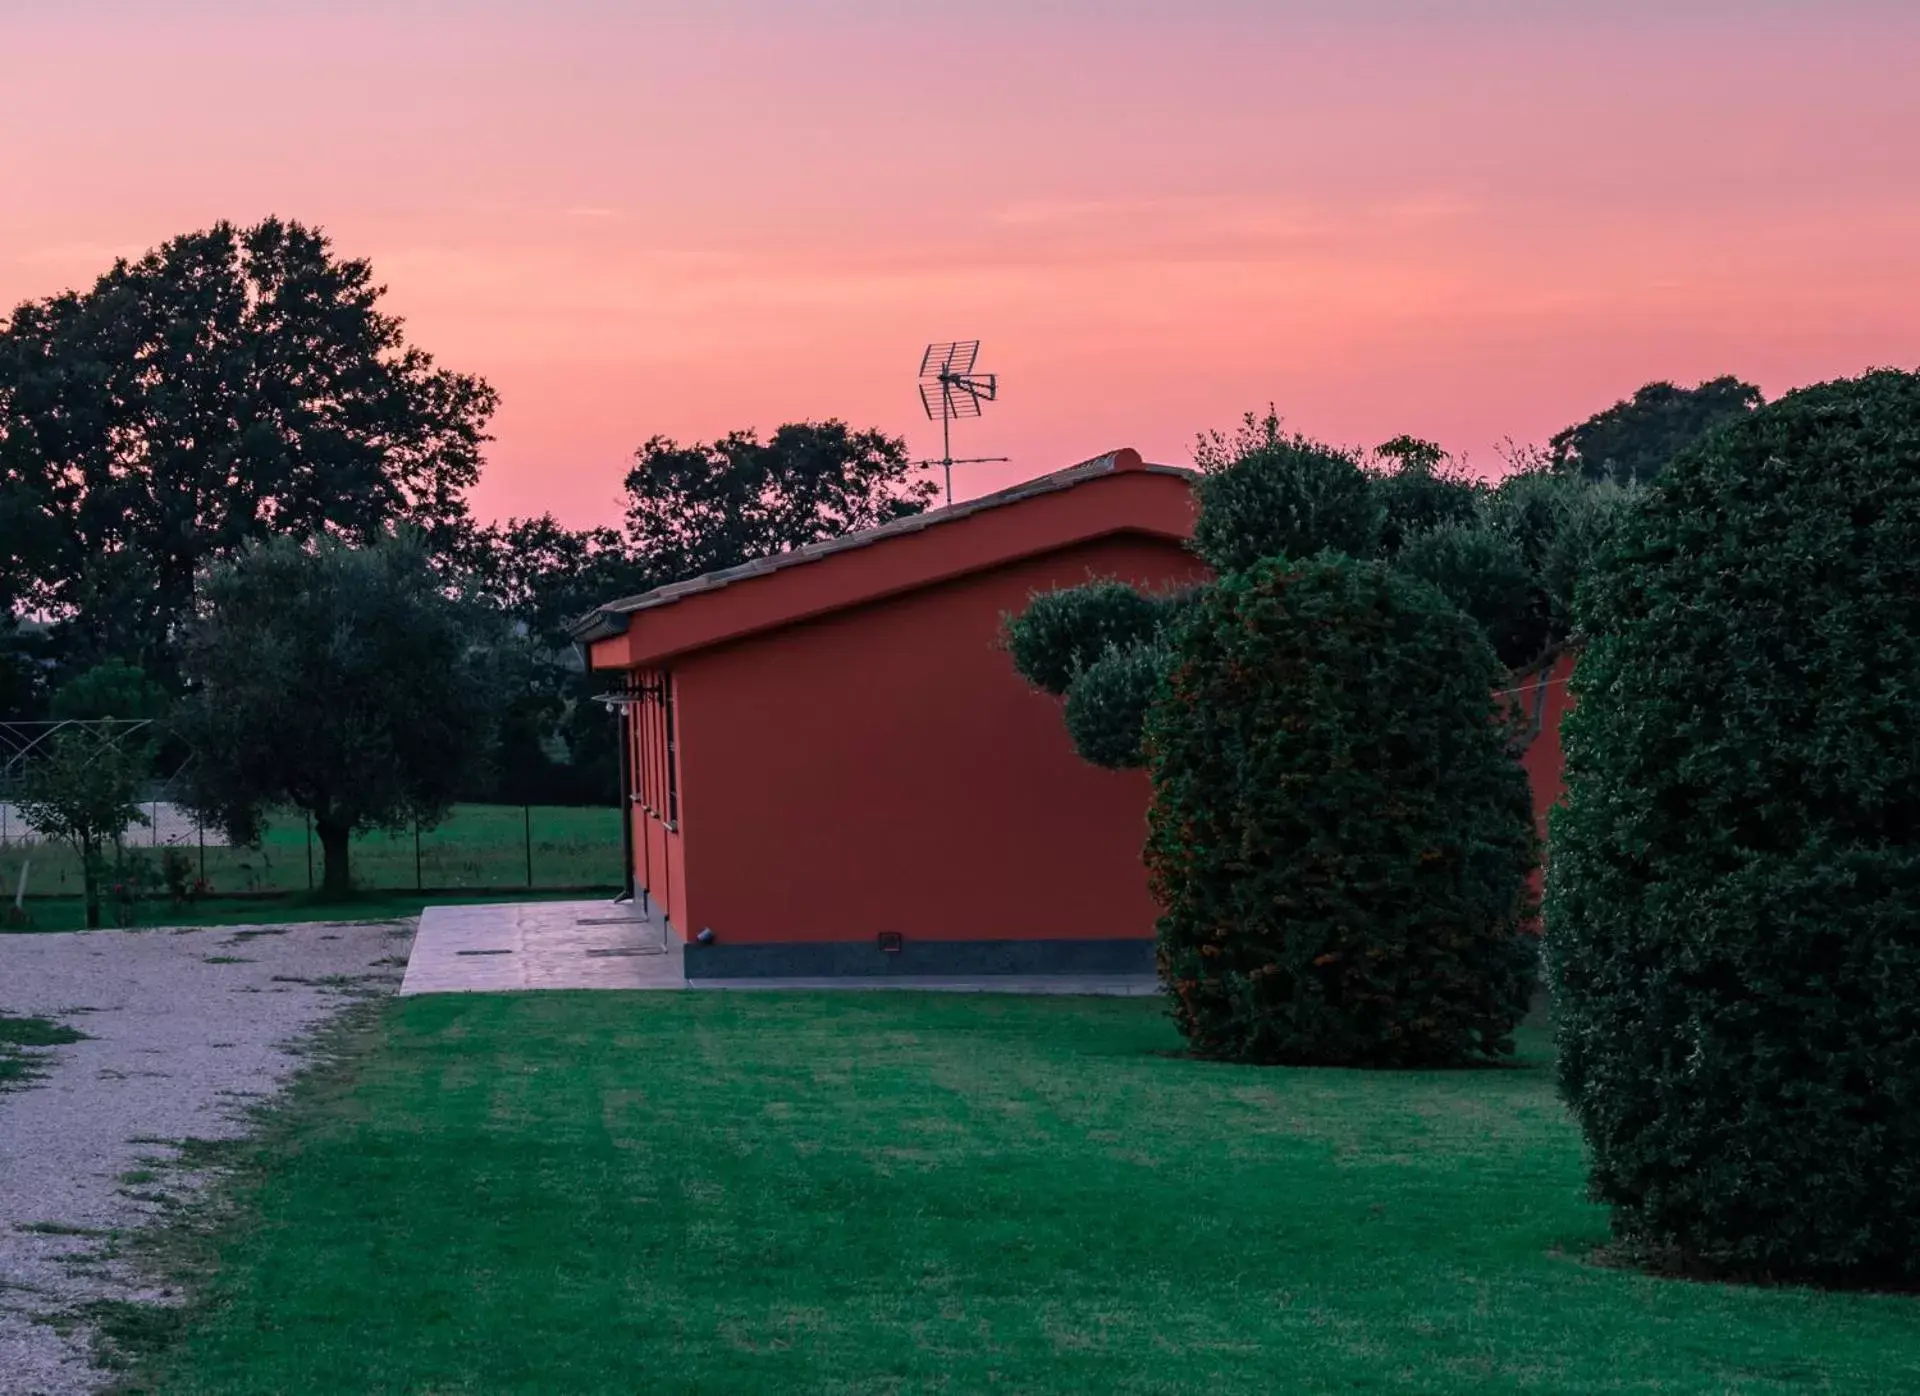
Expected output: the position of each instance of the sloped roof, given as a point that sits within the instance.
(611, 619)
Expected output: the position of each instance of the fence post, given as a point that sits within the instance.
(526, 816)
(419, 883)
(309, 850)
(200, 827)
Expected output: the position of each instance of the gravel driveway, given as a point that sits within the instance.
(185, 1030)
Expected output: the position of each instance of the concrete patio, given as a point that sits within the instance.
(512, 946)
(543, 945)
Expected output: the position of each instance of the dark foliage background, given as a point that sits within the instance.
(1632, 442)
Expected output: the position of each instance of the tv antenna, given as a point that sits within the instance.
(949, 388)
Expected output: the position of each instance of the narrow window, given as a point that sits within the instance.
(642, 757)
(672, 755)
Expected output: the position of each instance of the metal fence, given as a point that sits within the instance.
(476, 848)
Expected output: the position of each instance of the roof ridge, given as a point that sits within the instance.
(609, 619)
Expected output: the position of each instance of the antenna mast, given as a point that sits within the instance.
(949, 388)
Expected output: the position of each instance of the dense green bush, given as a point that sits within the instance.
(1339, 834)
(1733, 919)
(1062, 632)
(1528, 507)
(1584, 527)
(1419, 489)
(1561, 522)
(1483, 571)
(1107, 703)
(1287, 498)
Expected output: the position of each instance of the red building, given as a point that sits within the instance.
(1544, 696)
(836, 770)
(1542, 690)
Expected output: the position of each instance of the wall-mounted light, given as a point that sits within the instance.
(706, 936)
(890, 942)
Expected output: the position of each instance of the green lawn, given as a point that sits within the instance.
(476, 846)
(867, 1192)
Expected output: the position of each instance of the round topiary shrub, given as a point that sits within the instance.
(1062, 632)
(1107, 703)
(1340, 834)
(1288, 497)
(1733, 916)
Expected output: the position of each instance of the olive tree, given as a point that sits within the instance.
(339, 680)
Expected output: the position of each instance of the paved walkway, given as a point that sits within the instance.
(608, 945)
(543, 945)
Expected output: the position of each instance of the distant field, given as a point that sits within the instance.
(477, 846)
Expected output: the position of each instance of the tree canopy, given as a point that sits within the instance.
(1484, 572)
(1632, 441)
(698, 508)
(339, 680)
(111, 689)
(557, 746)
(83, 789)
(1419, 488)
(230, 385)
(546, 575)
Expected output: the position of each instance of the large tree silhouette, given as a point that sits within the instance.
(1631, 442)
(230, 385)
(694, 509)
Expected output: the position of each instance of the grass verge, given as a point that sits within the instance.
(891, 1192)
(19, 1063)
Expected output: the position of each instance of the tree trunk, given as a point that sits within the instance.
(90, 880)
(335, 880)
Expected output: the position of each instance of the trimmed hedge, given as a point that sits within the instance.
(1339, 833)
(1062, 632)
(1107, 704)
(1290, 497)
(1733, 919)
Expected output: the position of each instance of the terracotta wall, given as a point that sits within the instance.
(1543, 699)
(884, 769)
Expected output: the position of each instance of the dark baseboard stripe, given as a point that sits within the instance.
(821, 959)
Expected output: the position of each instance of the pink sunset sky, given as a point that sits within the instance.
(1471, 221)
